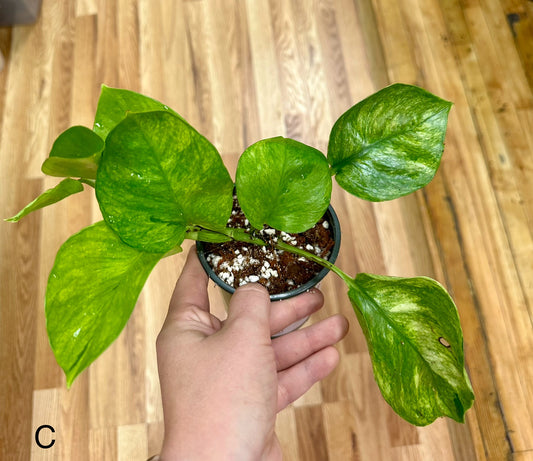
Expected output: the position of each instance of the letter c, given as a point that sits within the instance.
(38, 441)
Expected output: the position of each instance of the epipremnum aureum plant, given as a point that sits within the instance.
(158, 181)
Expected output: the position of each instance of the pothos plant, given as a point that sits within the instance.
(159, 182)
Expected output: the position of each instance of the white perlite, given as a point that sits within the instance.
(226, 269)
(232, 266)
(288, 238)
(227, 277)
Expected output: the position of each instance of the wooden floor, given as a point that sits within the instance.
(240, 71)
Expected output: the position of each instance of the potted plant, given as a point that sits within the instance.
(158, 182)
(284, 273)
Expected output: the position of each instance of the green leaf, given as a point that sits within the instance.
(115, 103)
(62, 190)
(416, 346)
(283, 183)
(389, 144)
(76, 153)
(158, 176)
(91, 292)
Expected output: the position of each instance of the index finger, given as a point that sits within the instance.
(191, 287)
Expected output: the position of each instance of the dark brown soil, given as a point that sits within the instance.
(238, 263)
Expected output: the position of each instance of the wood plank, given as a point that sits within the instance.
(333, 59)
(362, 55)
(523, 456)
(396, 43)
(156, 296)
(169, 51)
(223, 43)
(311, 435)
(369, 407)
(132, 442)
(341, 431)
(19, 276)
(74, 432)
(199, 52)
(286, 433)
(498, 23)
(293, 82)
(522, 31)
(103, 444)
(116, 402)
(86, 7)
(59, 429)
(155, 438)
(46, 417)
(267, 84)
(316, 115)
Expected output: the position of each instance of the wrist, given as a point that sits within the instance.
(207, 447)
(194, 445)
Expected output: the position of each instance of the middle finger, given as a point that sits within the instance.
(296, 346)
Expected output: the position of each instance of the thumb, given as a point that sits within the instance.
(250, 308)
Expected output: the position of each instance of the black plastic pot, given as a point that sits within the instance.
(330, 216)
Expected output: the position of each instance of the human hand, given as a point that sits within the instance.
(222, 383)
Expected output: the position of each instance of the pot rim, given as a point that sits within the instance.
(331, 217)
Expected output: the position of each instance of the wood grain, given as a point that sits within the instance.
(241, 70)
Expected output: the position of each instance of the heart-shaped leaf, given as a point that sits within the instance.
(389, 144)
(62, 190)
(416, 346)
(284, 184)
(75, 153)
(157, 176)
(115, 103)
(91, 292)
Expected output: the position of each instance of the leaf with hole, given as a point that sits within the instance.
(416, 345)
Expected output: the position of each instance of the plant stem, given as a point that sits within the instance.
(222, 235)
(89, 182)
(312, 257)
(240, 235)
